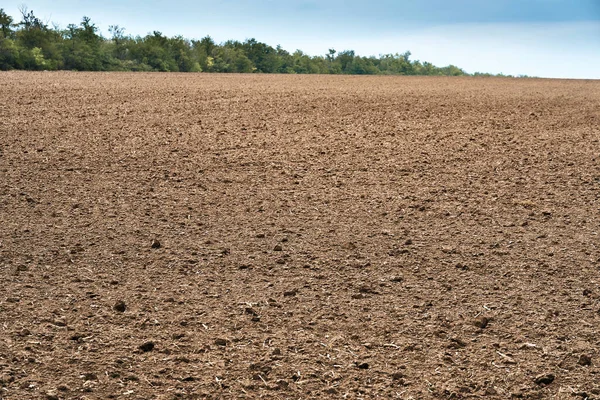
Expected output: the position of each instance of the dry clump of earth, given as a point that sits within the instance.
(170, 236)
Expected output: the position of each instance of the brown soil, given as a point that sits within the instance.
(207, 236)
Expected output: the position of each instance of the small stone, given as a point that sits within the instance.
(481, 322)
(544, 379)
(277, 248)
(147, 347)
(585, 360)
(221, 342)
(120, 306)
(290, 293)
(260, 235)
(155, 244)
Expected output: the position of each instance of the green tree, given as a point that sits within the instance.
(263, 56)
(154, 51)
(33, 34)
(452, 70)
(83, 47)
(9, 55)
(202, 51)
(181, 51)
(6, 24)
(117, 46)
(345, 59)
(231, 58)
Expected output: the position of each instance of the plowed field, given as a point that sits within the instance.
(197, 236)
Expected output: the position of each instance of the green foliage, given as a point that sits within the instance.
(32, 45)
(83, 49)
(230, 58)
(6, 25)
(9, 55)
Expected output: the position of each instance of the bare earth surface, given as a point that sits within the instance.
(170, 236)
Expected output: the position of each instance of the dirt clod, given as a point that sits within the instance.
(584, 360)
(481, 322)
(397, 376)
(147, 347)
(544, 379)
(366, 289)
(24, 332)
(251, 311)
(155, 244)
(90, 376)
(457, 343)
(120, 306)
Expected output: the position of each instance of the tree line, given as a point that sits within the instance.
(32, 44)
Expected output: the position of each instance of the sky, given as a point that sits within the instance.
(545, 38)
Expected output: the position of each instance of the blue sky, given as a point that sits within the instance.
(547, 38)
